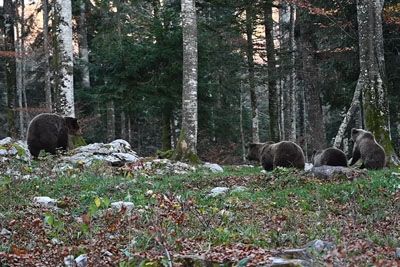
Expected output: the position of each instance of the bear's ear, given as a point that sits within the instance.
(354, 131)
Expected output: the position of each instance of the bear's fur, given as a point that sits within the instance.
(329, 156)
(365, 147)
(272, 155)
(50, 132)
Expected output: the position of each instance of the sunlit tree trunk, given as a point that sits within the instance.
(251, 78)
(9, 20)
(187, 145)
(272, 86)
(46, 52)
(66, 90)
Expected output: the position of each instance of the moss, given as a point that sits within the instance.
(168, 154)
(77, 141)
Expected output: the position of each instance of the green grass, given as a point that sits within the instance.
(278, 209)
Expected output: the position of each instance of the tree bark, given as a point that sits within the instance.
(110, 121)
(9, 19)
(293, 82)
(272, 86)
(250, 63)
(46, 48)
(83, 46)
(187, 145)
(309, 73)
(66, 98)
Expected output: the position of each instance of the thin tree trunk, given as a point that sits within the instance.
(123, 126)
(314, 108)
(83, 45)
(110, 121)
(66, 103)
(250, 63)
(187, 144)
(9, 19)
(272, 87)
(293, 82)
(129, 129)
(46, 48)
(166, 129)
(241, 123)
(19, 74)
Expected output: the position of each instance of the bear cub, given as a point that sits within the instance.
(329, 156)
(49, 132)
(365, 147)
(272, 155)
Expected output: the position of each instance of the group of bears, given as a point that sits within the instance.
(50, 132)
(289, 154)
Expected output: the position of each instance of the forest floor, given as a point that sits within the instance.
(175, 222)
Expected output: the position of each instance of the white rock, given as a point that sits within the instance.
(5, 232)
(308, 166)
(215, 168)
(81, 260)
(69, 261)
(55, 241)
(5, 141)
(397, 253)
(45, 201)
(218, 191)
(119, 204)
(127, 157)
(263, 171)
(121, 145)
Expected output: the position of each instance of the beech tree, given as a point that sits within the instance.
(186, 147)
(371, 83)
(66, 103)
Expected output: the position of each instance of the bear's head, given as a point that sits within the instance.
(358, 133)
(73, 126)
(254, 151)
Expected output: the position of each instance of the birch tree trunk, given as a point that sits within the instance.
(46, 48)
(66, 97)
(9, 45)
(250, 63)
(83, 46)
(186, 147)
(272, 86)
(241, 123)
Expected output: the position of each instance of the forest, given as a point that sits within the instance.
(165, 93)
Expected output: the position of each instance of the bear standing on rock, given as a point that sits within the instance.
(272, 155)
(50, 132)
(365, 147)
(330, 156)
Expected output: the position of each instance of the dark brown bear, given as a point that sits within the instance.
(330, 156)
(50, 132)
(365, 147)
(282, 154)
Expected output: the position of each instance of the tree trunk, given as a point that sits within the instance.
(317, 138)
(272, 86)
(186, 148)
(241, 123)
(123, 126)
(250, 63)
(19, 73)
(66, 97)
(110, 121)
(293, 82)
(9, 18)
(372, 74)
(83, 46)
(46, 48)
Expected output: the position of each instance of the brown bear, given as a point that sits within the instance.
(329, 156)
(50, 132)
(282, 154)
(365, 147)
